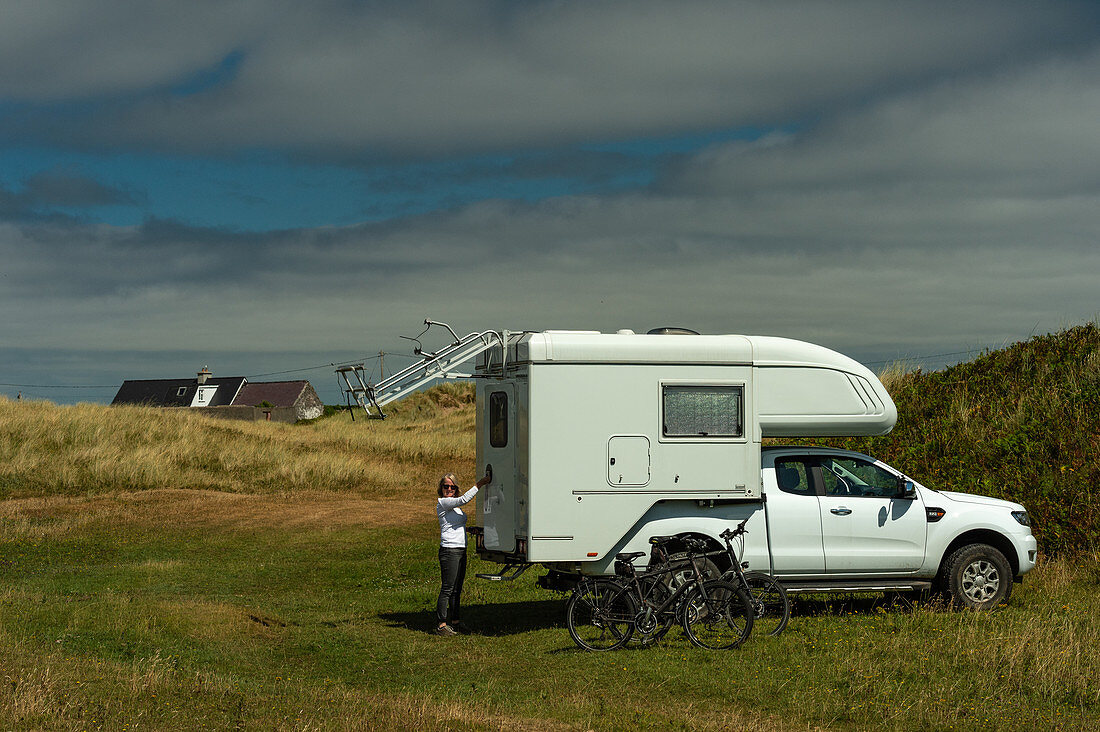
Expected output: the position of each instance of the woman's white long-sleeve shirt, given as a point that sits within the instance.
(452, 521)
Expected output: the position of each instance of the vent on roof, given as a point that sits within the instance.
(672, 331)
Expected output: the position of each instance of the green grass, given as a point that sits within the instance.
(121, 627)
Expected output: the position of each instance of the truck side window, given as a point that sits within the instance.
(498, 419)
(701, 411)
(792, 476)
(851, 477)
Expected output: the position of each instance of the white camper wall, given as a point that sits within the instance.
(578, 508)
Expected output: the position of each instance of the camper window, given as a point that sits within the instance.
(498, 419)
(701, 411)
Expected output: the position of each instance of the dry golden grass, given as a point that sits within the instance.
(153, 510)
(46, 449)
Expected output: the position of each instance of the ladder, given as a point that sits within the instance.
(434, 365)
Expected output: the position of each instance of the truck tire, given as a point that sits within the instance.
(977, 577)
(706, 565)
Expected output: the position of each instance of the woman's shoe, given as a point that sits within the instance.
(445, 630)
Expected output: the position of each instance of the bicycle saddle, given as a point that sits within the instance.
(694, 544)
(661, 540)
(629, 556)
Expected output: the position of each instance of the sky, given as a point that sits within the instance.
(267, 188)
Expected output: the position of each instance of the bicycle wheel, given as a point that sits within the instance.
(771, 607)
(717, 615)
(600, 616)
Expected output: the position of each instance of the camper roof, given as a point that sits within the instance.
(593, 347)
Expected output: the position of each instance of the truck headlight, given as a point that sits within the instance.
(1021, 518)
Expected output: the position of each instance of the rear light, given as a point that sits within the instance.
(934, 514)
(593, 554)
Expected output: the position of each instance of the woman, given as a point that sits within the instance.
(452, 551)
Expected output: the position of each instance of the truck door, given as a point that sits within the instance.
(865, 527)
(496, 445)
(794, 518)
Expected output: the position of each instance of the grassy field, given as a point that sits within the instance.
(90, 449)
(197, 609)
(164, 571)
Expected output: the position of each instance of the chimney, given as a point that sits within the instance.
(203, 375)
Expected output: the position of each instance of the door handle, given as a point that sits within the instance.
(840, 511)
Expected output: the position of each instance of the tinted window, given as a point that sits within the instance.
(498, 419)
(793, 476)
(702, 411)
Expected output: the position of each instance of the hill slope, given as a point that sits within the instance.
(1021, 423)
(86, 449)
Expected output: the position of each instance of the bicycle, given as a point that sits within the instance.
(771, 606)
(603, 614)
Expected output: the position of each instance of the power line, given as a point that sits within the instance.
(917, 358)
(375, 357)
(378, 356)
(291, 371)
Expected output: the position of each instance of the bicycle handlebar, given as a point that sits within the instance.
(732, 533)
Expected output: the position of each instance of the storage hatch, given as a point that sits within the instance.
(628, 460)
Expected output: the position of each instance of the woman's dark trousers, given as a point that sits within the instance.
(452, 570)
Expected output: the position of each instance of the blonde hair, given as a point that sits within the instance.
(443, 481)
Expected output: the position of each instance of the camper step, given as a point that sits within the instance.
(503, 576)
(855, 586)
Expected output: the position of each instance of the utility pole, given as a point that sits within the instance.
(381, 365)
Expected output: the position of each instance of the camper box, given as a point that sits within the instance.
(598, 441)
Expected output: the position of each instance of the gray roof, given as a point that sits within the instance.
(176, 392)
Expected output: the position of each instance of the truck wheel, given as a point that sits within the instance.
(978, 577)
(707, 568)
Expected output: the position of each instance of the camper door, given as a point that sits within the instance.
(496, 448)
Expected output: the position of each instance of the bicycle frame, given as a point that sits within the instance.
(635, 581)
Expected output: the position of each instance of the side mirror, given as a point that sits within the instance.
(906, 489)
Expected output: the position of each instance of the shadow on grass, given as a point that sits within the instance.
(836, 605)
(492, 619)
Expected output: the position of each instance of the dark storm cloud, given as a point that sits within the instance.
(418, 77)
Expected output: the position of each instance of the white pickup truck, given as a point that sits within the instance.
(599, 441)
(840, 520)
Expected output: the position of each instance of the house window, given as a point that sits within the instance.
(702, 411)
(498, 419)
(181, 391)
